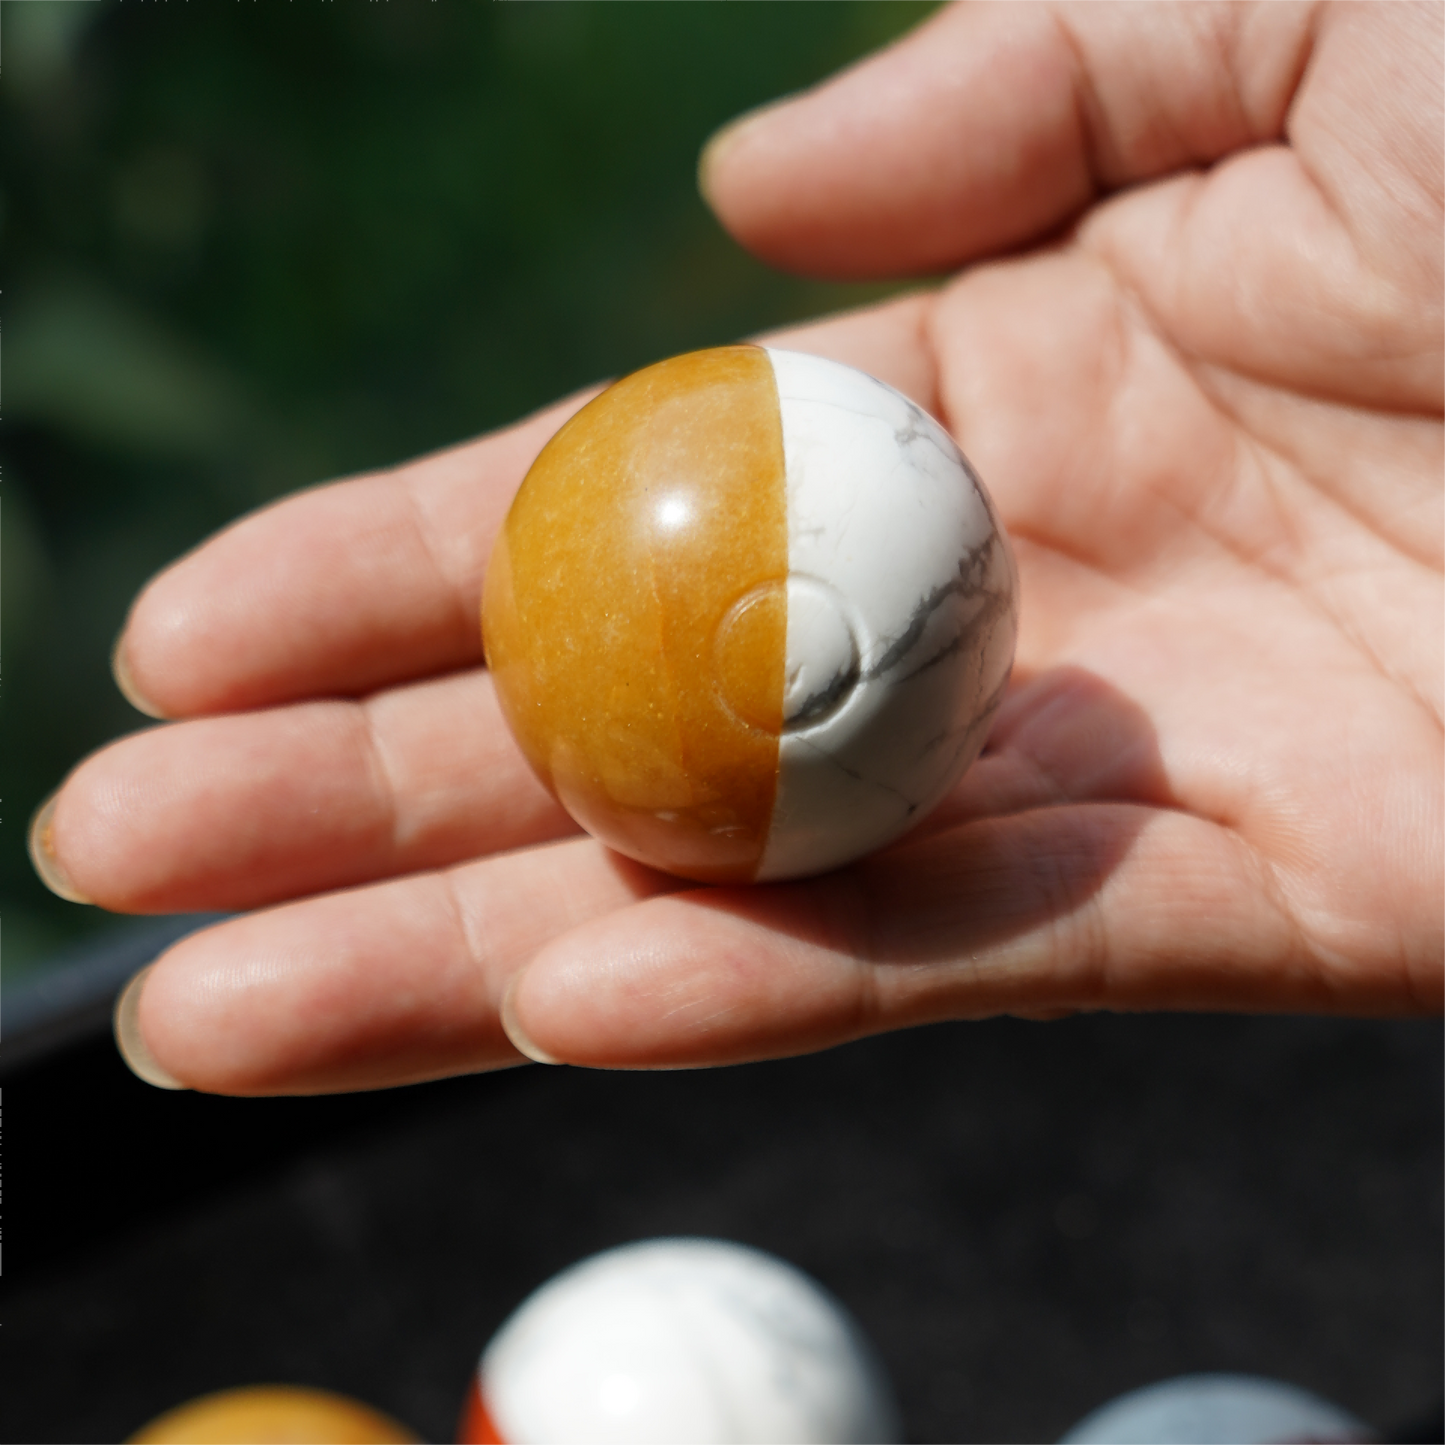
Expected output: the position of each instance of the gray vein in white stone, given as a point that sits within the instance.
(910, 805)
(964, 585)
(821, 701)
(884, 510)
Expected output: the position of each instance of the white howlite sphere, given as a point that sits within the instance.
(683, 1340)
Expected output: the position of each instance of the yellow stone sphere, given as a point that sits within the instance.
(273, 1415)
(639, 527)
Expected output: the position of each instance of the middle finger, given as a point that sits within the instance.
(240, 811)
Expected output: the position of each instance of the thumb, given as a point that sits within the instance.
(991, 125)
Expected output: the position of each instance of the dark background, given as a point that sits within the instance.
(252, 246)
(1027, 1219)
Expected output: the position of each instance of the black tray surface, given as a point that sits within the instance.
(1027, 1219)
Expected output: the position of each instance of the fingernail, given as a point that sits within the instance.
(128, 1037)
(720, 142)
(120, 671)
(516, 1032)
(42, 853)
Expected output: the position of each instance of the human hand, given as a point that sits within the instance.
(1209, 412)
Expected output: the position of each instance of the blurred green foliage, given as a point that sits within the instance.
(251, 246)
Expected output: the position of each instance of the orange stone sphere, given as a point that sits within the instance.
(273, 1415)
(750, 614)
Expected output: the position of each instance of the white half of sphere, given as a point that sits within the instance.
(1217, 1410)
(684, 1340)
(902, 615)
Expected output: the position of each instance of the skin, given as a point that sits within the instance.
(1192, 340)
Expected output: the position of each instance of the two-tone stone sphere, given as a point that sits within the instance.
(750, 615)
(679, 1340)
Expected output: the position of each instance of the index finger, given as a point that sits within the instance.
(990, 126)
(340, 590)
(377, 581)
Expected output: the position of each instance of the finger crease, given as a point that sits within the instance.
(384, 784)
(471, 939)
(451, 586)
(1088, 110)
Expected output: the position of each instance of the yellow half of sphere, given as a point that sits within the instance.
(273, 1415)
(635, 613)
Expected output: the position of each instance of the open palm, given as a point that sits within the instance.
(1209, 411)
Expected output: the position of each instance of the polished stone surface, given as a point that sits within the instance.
(633, 654)
(896, 539)
(751, 615)
(296, 1415)
(1218, 1410)
(684, 1340)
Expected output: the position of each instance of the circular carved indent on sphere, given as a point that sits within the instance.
(747, 634)
(823, 666)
